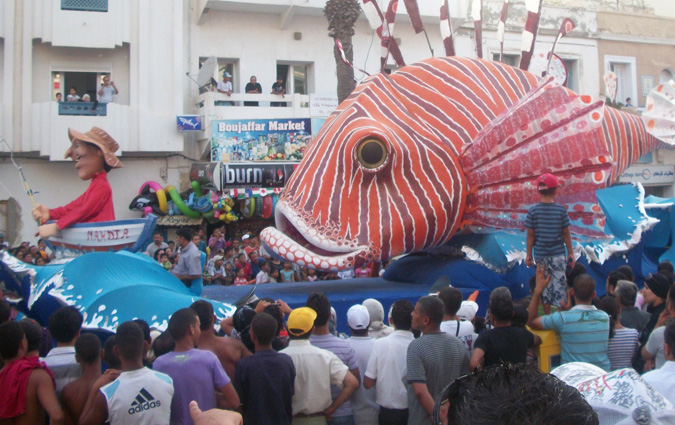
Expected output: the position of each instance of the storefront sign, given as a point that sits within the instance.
(260, 140)
(649, 174)
(178, 221)
(242, 175)
(189, 122)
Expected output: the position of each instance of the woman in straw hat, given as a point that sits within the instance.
(94, 155)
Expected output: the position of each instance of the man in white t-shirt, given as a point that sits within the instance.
(387, 367)
(107, 90)
(137, 395)
(225, 87)
(663, 378)
(452, 324)
(363, 400)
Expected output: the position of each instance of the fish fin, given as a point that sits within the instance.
(659, 117)
(529, 139)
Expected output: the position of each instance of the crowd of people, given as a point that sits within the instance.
(240, 260)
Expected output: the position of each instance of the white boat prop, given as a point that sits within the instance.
(130, 235)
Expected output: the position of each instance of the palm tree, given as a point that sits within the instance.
(341, 16)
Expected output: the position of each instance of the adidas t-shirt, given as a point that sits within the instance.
(139, 397)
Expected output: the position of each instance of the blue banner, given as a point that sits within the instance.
(260, 140)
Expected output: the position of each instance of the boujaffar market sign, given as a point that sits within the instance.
(648, 174)
(242, 175)
(260, 140)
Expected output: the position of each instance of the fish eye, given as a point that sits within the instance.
(371, 153)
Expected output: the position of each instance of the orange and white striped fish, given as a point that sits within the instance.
(445, 143)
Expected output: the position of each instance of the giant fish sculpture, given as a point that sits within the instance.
(442, 145)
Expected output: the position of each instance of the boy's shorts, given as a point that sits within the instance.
(556, 291)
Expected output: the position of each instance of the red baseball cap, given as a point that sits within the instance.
(549, 180)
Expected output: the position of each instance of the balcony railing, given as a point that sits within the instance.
(85, 5)
(83, 108)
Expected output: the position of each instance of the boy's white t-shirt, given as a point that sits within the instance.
(465, 332)
(139, 397)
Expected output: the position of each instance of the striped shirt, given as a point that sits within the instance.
(584, 334)
(345, 352)
(621, 347)
(436, 360)
(548, 221)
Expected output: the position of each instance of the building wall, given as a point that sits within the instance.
(650, 60)
(648, 40)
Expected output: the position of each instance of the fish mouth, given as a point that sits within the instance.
(298, 240)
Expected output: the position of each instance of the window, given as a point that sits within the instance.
(83, 82)
(507, 59)
(625, 69)
(296, 76)
(85, 5)
(572, 66)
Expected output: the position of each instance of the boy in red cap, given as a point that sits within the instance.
(548, 233)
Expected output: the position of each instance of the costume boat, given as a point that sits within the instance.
(129, 235)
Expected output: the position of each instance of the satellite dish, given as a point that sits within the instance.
(206, 73)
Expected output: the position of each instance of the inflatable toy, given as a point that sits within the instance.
(159, 191)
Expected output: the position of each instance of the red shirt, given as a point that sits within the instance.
(14, 380)
(94, 205)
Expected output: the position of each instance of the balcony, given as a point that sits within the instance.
(218, 106)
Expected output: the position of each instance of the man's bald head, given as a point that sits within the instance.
(584, 289)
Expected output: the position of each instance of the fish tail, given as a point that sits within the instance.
(627, 140)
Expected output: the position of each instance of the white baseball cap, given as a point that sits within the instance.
(467, 310)
(358, 317)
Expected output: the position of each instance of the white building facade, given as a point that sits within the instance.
(151, 48)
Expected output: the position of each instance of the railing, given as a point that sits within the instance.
(264, 100)
(83, 108)
(85, 5)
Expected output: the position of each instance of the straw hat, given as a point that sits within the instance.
(100, 138)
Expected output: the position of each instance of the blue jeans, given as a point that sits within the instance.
(342, 420)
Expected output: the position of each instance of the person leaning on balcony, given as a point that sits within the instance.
(107, 90)
(253, 87)
(94, 156)
(225, 87)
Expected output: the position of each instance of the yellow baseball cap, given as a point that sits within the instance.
(301, 321)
